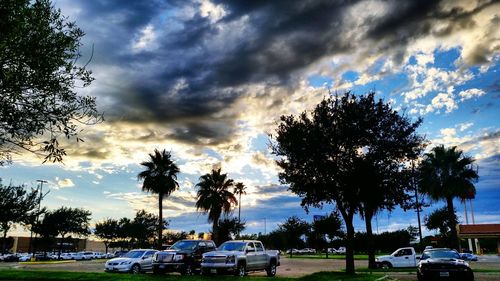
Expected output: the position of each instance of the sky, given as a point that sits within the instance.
(208, 81)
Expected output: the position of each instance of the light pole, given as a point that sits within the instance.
(31, 247)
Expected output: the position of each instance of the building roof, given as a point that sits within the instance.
(479, 230)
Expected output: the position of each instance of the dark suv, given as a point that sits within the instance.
(184, 257)
(443, 263)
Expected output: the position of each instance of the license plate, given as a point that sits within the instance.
(162, 266)
(444, 274)
(213, 271)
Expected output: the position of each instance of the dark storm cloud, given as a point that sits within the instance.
(197, 67)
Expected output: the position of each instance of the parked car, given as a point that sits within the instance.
(240, 257)
(65, 256)
(109, 255)
(183, 257)
(24, 257)
(9, 258)
(77, 256)
(87, 255)
(443, 263)
(468, 257)
(135, 261)
(308, 251)
(99, 255)
(402, 257)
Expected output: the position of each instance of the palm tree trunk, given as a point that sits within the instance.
(453, 227)
(239, 210)
(160, 220)
(370, 243)
(214, 232)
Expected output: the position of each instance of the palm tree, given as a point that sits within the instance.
(160, 177)
(446, 173)
(239, 189)
(214, 197)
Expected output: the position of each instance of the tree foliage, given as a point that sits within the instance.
(107, 231)
(446, 174)
(341, 152)
(441, 221)
(160, 177)
(229, 227)
(215, 198)
(293, 229)
(327, 228)
(39, 71)
(63, 222)
(17, 206)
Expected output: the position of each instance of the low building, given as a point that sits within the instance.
(480, 231)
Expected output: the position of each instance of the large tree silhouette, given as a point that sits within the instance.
(39, 71)
(215, 198)
(446, 174)
(343, 151)
(160, 177)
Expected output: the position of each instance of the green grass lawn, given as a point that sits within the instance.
(323, 256)
(84, 276)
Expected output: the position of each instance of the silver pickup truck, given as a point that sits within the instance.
(239, 257)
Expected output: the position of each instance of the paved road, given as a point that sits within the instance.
(289, 267)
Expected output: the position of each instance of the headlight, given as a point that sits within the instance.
(126, 262)
(179, 257)
(376, 259)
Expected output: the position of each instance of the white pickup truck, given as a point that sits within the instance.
(402, 257)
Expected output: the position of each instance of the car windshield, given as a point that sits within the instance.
(233, 246)
(443, 254)
(133, 254)
(184, 245)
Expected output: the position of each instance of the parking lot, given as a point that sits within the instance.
(289, 267)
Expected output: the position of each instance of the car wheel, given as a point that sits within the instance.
(271, 270)
(241, 270)
(386, 265)
(136, 269)
(188, 270)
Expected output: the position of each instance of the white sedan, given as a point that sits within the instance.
(135, 261)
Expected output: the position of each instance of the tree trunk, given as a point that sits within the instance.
(160, 221)
(453, 227)
(349, 255)
(370, 243)
(4, 246)
(106, 246)
(60, 247)
(349, 244)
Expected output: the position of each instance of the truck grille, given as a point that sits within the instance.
(217, 259)
(165, 257)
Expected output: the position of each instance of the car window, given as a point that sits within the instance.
(259, 247)
(184, 245)
(250, 247)
(232, 246)
(134, 254)
(406, 252)
(202, 245)
(150, 254)
(211, 245)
